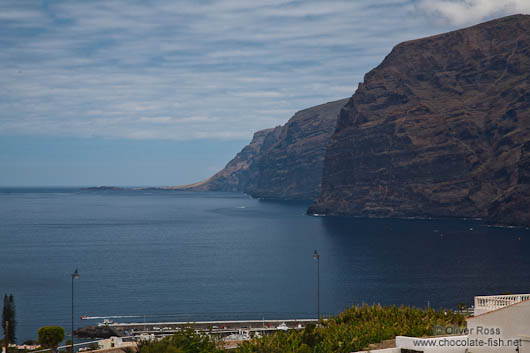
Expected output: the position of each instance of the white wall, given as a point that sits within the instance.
(509, 323)
(114, 342)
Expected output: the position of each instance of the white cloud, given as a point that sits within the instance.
(188, 69)
(160, 119)
(19, 15)
(259, 94)
(467, 12)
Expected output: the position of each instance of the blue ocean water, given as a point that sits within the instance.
(173, 255)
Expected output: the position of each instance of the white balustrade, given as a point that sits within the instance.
(483, 304)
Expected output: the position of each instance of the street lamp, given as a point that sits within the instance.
(316, 256)
(75, 275)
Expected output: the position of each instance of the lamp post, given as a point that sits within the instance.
(75, 275)
(6, 338)
(316, 256)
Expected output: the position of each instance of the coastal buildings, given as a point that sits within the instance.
(116, 342)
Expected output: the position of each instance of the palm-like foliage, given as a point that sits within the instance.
(350, 331)
(354, 329)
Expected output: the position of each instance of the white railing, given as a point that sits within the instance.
(484, 304)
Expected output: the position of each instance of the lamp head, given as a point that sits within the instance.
(316, 256)
(75, 274)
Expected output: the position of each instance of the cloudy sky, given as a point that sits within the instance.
(165, 92)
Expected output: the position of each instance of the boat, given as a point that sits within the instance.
(282, 327)
(107, 322)
(240, 336)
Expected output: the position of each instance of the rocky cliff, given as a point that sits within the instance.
(440, 128)
(236, 176)
(285, 162)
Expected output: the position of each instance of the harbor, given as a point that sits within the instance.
(222, 329)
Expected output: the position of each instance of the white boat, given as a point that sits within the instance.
(282, 327)
(240, 336)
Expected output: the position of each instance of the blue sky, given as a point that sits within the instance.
(166, 92)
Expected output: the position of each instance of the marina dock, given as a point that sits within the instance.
(212, 327)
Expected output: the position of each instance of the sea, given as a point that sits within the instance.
(154, 255)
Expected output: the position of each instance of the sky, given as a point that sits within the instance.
(156, 93)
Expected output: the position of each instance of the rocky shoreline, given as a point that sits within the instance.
(98, 332)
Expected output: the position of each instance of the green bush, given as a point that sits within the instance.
(51, 336)
(354, 329)
(350, 331)
(185, 341)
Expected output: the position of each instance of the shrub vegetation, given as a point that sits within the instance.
(185, 341)
(350, 331)
(51, 336)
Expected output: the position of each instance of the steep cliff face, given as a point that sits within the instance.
(283, 163)
(292, 167)
(235, 176)
(440, 128)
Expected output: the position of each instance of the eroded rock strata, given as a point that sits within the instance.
(441, 128)
(285, 162)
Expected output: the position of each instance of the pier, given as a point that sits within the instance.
(219, 328)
